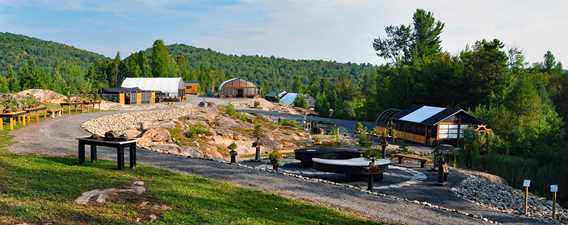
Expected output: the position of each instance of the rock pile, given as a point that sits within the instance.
(121, 123)
(503, 197)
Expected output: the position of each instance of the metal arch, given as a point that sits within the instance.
(385, 117)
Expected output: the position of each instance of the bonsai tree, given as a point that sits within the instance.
(275, 157)
(258, 133)
(232, 147)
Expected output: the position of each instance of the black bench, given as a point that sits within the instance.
(119, 145)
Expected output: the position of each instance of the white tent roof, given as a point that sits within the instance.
(422, 114)
(163, 84)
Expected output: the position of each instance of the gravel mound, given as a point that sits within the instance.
(503, 197)
(120, 123)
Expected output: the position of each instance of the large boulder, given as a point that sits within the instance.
(155, 135)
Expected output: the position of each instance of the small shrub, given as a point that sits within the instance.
(289, 123)
(300, 101)
(230, 110)
(275, 156)
(372, 152)
(197, 130)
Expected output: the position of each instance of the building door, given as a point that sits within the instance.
(240, 92)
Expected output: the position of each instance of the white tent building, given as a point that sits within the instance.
(168, 86)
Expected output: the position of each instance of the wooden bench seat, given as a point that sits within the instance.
(422, 160)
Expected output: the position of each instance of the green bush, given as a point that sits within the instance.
(289, 123)
(230, 110)
(197, 130)
(301, 101)
(372, 152)
(274, 156)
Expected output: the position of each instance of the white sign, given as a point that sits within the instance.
(553, 188)
(526, 183)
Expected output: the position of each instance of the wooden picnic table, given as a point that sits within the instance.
(37, 110)
(80, 105)
(119, 145)
(14, 118)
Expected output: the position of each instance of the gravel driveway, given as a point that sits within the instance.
(57, 137)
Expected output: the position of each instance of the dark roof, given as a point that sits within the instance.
(272, 94)
(440, 116)
(192, 82)
(120, 90)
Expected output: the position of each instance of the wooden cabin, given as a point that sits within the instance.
(191, 88)
(128, 95)
(427, 124)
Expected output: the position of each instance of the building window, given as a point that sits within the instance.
(450, 131)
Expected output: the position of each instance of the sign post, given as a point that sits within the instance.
(553, 190)
(526, 185)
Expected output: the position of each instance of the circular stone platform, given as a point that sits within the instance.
(354, 166)
(305, 155)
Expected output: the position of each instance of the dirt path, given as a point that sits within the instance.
(57, 137)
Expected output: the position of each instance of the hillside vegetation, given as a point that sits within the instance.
(19, 50)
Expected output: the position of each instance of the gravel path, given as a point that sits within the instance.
(56, 137)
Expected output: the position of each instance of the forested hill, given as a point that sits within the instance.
(18, 50)
(270, 73)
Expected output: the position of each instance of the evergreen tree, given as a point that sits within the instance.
(160, 59)
(4, 85)
(427, 31)
(114, 74)
(13, 80)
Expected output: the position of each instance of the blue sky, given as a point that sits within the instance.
(340, 30)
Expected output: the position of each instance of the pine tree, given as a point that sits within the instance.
(160, 59)
(4, 87)
(13, 80)
(114, 75)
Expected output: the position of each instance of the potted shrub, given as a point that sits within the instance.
(275, 157)
(317, 140)
(232, 151)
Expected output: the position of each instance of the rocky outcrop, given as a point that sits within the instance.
(152, 128)
(102, 195)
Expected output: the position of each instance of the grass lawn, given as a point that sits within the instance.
(41, 189)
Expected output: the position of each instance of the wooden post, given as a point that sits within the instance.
(1, 123)
(526, 200)
(138, 98)
(121, 98)
(526, 185)
(11, 123)
(553, 205)
(37, 116)
(554, 190)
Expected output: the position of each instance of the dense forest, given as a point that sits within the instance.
(524, 103)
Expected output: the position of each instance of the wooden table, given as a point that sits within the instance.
(119, 145)
(39, 110)
(14, 118)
